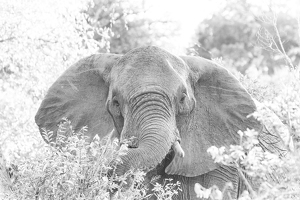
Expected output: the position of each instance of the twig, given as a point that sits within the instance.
(298, 22)
(290, 128)
(280, 41)
(267, 41)
(7, 39)
(252, 193)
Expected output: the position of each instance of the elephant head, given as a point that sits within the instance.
(163, 101)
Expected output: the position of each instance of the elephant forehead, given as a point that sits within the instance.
(144, 75)
(149, 67)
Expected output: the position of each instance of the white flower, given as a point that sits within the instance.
(202, 192)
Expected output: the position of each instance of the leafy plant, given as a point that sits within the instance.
(71, 168)
(167, 190)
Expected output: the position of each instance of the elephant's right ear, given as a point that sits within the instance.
(221, 110)
(80, 96)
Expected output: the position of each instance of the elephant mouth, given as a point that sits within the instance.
(151, 150)
(176, 147)
(174, 150)
(159, 169)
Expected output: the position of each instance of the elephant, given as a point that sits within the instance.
(175, 108)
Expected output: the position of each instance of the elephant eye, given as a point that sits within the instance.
(116, 103)
(116, 107)
(183, 98)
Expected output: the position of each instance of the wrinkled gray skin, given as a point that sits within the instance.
(175, 107)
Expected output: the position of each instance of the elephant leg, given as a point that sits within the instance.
(218, 177)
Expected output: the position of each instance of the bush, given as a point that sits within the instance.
(78, 170)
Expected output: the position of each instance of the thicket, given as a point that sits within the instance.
(33, 55)
(243, 34)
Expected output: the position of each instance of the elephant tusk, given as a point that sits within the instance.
(178, 149)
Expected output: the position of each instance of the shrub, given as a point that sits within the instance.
(71, 168)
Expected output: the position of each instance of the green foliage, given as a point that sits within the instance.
(79, 170)
(124, 25)
(248, 36)
(166, 191)
(46, 38)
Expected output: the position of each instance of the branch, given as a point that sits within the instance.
(249, 187)
(47, 41)
(298, 22)
(280, 42)
(267, 41)
(110, 23)
(7, 39)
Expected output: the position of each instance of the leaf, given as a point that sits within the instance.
(215, 194)
(202, 192)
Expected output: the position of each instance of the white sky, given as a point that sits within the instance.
(190, 13)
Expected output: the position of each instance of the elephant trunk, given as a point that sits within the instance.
(147, 155)
(155, 130)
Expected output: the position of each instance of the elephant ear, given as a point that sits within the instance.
(80, 96)
(221, 110)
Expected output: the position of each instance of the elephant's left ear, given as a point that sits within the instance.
(222, 109)
(80, 95)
